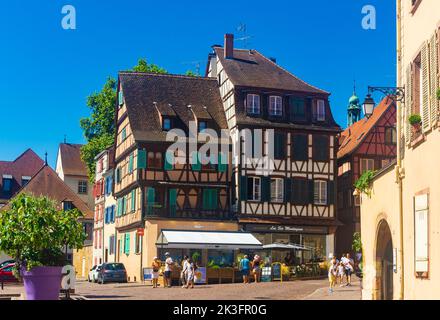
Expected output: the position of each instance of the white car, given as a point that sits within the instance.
(93, 273)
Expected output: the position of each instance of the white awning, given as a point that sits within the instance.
(175, 239)
(288, 246)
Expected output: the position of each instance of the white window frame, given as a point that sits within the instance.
(366, 164)
(276, 106)
(256, 189)
(421, 235)
(320, 192)
(320, 110)
(83, 187)
(277, 190)
(253, 103)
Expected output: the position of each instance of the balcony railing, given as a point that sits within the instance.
(171, 211)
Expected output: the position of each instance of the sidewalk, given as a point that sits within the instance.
(340, 293)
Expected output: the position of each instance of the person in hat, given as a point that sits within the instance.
(168, 269)
(156, 267)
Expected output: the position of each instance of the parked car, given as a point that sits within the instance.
(6, 262)
(112, 272)
(6, 274)
(93, 273)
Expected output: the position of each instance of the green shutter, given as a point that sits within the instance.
(287, 189)
(330, 192)
(195, 162)
(118, 212)
(120, 98)
(265, 189)
(169, 159)
(210, 199)
(311, 191)
(206, 199)
(279, 146)
(214, 199)
(130, 163)
(150, 200)
(173, 202)
(142, 159)
(133, 200)
(120, 246)
(243, 188)
(127, 244)
(222, 163)
(124, 134)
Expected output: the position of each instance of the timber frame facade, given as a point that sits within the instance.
(304, 134)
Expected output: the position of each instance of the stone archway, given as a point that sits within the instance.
(384, 262)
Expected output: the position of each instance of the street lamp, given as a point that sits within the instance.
(368, 106)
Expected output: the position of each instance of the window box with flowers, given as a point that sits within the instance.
(415, 120)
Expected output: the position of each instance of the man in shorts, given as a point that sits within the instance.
(168, 269)
(349, 267)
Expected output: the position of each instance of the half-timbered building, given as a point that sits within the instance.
(158, 189)
(284, 135)
(368, 144)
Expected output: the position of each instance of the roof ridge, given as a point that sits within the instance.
(277, 65)
(166, 75)
(23, 153)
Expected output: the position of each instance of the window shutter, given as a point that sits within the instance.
(206, 199)
(110, 185)
(280, 144)
(120, 246)
(243, 188)
(173, 201)
(133, 200)
(426, 114)
(195, 163)
(125, 204)
(433, 72)
(311, 186)
(127, 244)
(130, 163)
(222, 163)
(409, 101)
(142, 159)
(118, 210)
(287, 190)
(330, 192)
(169, 159)
(265, 189)
(120, 98)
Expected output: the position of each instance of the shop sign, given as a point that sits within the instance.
(140, 231)
(200, 275)
(285, 229)
(148, 274)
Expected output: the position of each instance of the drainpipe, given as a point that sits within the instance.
(399, 169)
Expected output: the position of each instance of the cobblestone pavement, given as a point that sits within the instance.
(293, 290)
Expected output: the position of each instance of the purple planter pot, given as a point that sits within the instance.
(42, 283)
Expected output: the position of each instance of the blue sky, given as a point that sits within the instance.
(47, 72)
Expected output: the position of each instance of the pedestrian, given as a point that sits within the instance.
(156, 268)
(256, 268)
(191, 269)
(332, 270)
(244, 268)
(184, 271)
(168, 270)
(349, 268)
(341, 273)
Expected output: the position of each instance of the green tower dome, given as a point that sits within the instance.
(354, 100)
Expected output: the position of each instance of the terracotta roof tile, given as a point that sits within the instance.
(353, 136)
(71, 160)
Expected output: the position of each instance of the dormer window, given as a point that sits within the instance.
(275, 106)
(166, 126)
(320, 110)
(25, 180)
(202, 126)
(253, 104)
(7, 183)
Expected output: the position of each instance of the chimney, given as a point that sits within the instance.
(229, 46)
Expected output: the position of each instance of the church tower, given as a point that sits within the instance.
(354, 109)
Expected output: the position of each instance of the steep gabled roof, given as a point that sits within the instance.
(353, 136)
(249, 68)
(26, 165)
(148, 95)
(47, 183)
(71, 160)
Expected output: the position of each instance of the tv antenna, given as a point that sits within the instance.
(195, 64)
(242, 35)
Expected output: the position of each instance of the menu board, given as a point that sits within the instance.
(148, 274)
(276, 271)
(200, 275)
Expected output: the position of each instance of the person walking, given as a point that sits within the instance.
(156, 268)
(341, 273)
(168, 270)
(244, 268)
(349, 268)
(183, 273)
(332, 271)
(256, 268)
(191, 269)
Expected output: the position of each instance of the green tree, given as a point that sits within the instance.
(191, 73)
(34, 231)
(99, 128)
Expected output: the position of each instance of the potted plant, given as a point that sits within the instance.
(415, 121)
(34, 232)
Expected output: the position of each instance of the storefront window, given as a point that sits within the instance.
(221, 258)
(318, 245)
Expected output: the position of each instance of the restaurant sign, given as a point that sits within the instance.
(286, 229)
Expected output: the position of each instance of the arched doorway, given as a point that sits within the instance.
(384, 262)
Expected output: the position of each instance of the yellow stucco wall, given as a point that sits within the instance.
(82, 261)
(152, 230)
